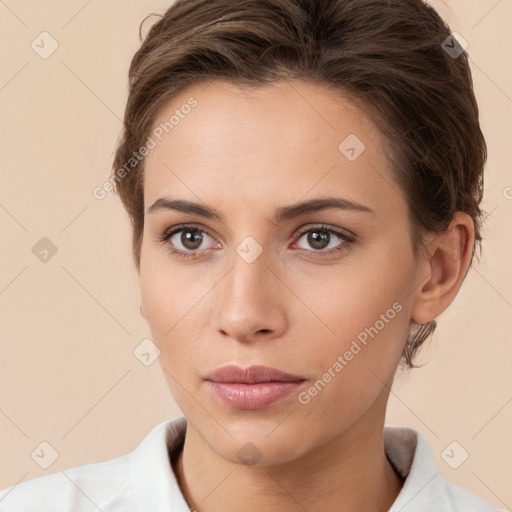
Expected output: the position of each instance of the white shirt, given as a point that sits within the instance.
(144, 481)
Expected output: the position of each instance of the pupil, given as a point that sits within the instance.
(191, 239)
(317, 239)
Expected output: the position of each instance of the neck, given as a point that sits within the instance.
(350, 472)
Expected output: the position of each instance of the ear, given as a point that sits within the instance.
(449, 256)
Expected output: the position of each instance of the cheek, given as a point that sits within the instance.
(350, 299)
(352, 366)
(362, 316)
(175, 310)
(164, 290)
(156, 298)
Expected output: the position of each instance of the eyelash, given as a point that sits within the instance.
(347, 239)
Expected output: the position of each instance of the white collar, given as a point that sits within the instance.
(156, 488)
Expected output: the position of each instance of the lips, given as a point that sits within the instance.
(251, 375)
(255, 387)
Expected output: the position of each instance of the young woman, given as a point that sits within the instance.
(303, 179)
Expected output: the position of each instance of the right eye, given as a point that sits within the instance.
(189, 237)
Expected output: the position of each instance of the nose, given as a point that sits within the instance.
(250, 305)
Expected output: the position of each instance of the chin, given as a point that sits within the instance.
(255, 441)
(260, 452)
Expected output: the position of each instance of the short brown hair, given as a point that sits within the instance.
(389, 55)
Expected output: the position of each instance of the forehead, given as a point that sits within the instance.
(283, 141)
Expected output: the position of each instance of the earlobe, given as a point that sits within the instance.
(450, 255)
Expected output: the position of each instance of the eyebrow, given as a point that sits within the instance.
(282, 213)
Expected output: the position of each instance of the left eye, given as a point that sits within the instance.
(323, 238)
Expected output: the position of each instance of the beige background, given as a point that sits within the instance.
(68, 375)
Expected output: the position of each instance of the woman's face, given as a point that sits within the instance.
(324, 294)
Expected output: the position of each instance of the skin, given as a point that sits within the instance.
(246, 153)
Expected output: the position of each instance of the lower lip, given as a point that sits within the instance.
(253, 396)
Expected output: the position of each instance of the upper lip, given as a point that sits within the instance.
(251, 375)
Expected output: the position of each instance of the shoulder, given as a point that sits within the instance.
(461, 500)
(424, 487)
(80, 489)
(142, 478)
